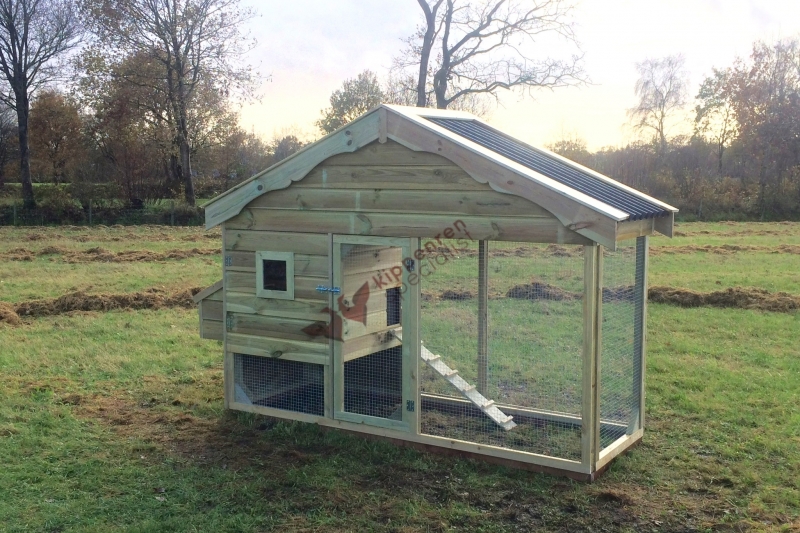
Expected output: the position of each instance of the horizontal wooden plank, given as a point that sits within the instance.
(526, 229)
(211, 329)
(364, 324)
(377, 281)
(211, 292)
(304, 265)
(389, 153)
(388, 198)
(248, 303)
(369, 344)
(425, 178)
(304, 287)
(275, 241)
(360, 258)
(212, 310)
(293, 350)
(276, 327)
(630, 229)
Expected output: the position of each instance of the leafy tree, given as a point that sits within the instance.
(467, 50)
(714, 118)
(283, 147)
(661, 90)
(33, 35)
(194, 42)
(56, 128)
(766, 106)
(356, 97)
(572, 147)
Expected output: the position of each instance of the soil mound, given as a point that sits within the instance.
(450, 294)
(81, 301)
(623, 293)
(99, 254)
(537, 290)
(725, 249)
(8, 315)
(736, 297)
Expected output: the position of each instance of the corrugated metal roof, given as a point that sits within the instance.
(584, 182)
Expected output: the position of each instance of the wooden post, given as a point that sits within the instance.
(640, 330)
(15, 213)
(590, 423)
(483, 317)
(90, 212)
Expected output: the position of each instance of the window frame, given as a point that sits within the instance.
(288, 258)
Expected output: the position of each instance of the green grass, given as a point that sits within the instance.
(115, 422)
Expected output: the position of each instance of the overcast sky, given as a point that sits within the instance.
(311, 46)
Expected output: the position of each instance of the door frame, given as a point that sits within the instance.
(410, 298)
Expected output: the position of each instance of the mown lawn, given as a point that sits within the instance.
(114, 421)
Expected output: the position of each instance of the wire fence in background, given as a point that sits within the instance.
(172, 215)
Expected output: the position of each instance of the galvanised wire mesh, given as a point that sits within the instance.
(535, 344)
(620, 355)
(280, 384)
(373, 381)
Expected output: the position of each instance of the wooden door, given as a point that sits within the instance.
(376, 342)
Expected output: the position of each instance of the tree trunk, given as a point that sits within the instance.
(186, 171)
(24, 152)
(425, 54)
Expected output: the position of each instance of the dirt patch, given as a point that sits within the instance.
(536, 290)
(99, 254)
(8, 315)
(81, 301)
(725, 249)
(623, 293)
(737, 298)
(221, 440)
(456, 295)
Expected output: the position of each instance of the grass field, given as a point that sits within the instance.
(114, 421)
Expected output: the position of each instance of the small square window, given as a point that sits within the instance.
(275, 275)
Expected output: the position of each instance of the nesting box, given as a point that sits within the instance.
(420, 276)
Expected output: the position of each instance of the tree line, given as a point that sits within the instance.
(133, 102)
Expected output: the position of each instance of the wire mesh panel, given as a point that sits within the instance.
(371, 313)
(532, 369)
(620, 355)
(280, 384)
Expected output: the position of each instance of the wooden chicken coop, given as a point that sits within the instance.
(421, 276)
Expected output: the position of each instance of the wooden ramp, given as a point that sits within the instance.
(468, 391)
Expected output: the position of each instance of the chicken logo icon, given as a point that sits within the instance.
(355, 310)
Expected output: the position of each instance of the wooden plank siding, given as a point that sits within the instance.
(388, 190)
(271, 327)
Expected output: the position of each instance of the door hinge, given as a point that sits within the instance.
(409, 264)
(228, 261)
(229, 322)
(410, 405)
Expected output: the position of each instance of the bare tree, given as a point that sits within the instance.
(8, 130)
(194, 41)
(661, 89)
(485, 46)
(33, 35)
